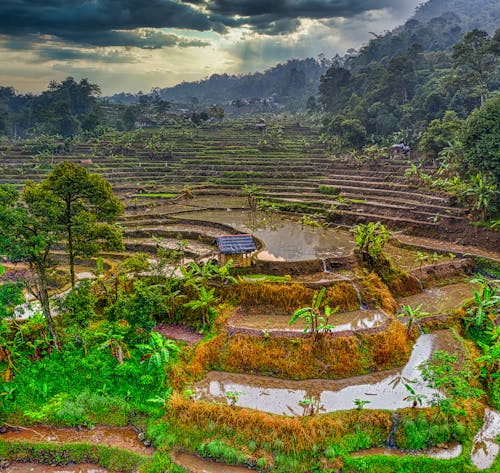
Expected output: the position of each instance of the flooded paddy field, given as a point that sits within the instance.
(284, 239)
(383, 390)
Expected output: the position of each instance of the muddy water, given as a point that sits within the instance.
(285, 240)
(485, 448)
(453, 451)
(384, 390)
(440, 300)
(355, 320)
(37, 468)
(118, 437)
(196, 464)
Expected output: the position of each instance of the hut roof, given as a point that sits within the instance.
(236, 244)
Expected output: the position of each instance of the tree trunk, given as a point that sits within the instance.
(71, 252)
(45, 302)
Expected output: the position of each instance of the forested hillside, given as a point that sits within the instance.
(291, 82)
(436, 26)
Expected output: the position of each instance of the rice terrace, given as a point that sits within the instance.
(293, 271)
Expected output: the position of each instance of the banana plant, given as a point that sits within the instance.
(159, 350)
(316, 316)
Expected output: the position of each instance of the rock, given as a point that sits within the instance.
(3, 429)
(141, 435)
(147, 443)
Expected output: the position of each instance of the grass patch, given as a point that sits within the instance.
(112, 458)
(328, 190)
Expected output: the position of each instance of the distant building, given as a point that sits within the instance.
(144, 122)
(239, 248)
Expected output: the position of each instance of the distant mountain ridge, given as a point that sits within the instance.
(435, 26)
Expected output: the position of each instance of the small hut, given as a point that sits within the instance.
(239, 248)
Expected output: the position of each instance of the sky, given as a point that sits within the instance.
(132, 45)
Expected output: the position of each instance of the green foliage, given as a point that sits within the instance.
(419, 432)
(159, 350)
(78, 306)
(482, 196)
(481, 139)
(140, 306)
(61, 454)
(28, 234)
(11, 295)
(413, 314)
(370, 241)
(88, 210)
(316, 316)
(204, 304)
(439, 133)
(475, 59)
(328, 190)
(441, 372)
(219, 450)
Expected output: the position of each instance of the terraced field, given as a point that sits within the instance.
(216, 161)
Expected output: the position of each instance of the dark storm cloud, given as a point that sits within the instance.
(294, 8)
(71, 18)
(146, 39)
(46, 54)
(281, 16)
(100, 22)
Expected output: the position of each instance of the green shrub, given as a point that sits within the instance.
(328, 190)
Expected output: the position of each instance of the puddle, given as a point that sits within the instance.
(195, 464)
(485, 448)
(440, 300)
(344, 321)
(37, 468)
(118, 437)
(453, 451)
(384, 390)
(284, 239)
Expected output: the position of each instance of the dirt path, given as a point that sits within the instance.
(179, 333)
(117, 437)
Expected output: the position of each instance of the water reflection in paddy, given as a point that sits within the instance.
(355, 320)
(284, 239)
(384, 390)
(440, 300)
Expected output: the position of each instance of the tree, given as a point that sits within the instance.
(89, 211)
(475, 57)
(440, 133)
(28, 234)
(481, 139)
(334, 88)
